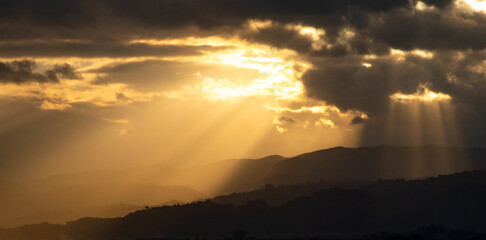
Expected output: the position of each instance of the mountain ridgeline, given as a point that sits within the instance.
(371, 163)
(342, 164)
(337, 164)
(112, 193)
(455, 201)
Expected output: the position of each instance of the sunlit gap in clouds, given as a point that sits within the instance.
(280, 92)
(426, 117)
(283, 69)
(475, 5)
(283, 85)
(461, 5)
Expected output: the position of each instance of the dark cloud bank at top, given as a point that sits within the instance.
(457, 40)
(99, 20)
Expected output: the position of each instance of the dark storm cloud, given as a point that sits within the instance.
(438, 3)
(23, 71)
(215, 13)
(347, 84)
(376, 32)
(104, 26)
(407, 29)
(431, 30)
(109, 19)
(69, 14)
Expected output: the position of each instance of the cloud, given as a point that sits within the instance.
(283, 120)
(87, 28)
(98, 49)
(121, 97)
(281, 37)
(101, 80)
(49, 105)
(286, 119)
(357, 120)
(387, 35)
(438, 3)
(430, 30)
(217, 13)
(64, 71)
(165, 75)
(344, 82)
(322, 122)
(19, 72)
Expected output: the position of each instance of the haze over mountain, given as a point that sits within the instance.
(455, 201)
(337, 164)
(371, 163)
(34, 202)
(65, 197)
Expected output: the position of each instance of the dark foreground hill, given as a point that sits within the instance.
(455, 201)
(277, 195)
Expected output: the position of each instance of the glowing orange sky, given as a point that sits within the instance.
(230, 98)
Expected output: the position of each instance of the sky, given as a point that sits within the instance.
(103, 84)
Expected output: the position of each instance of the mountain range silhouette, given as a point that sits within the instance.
(333, 191)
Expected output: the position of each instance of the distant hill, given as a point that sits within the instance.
(338, 164)
(455, 201)
(371, 163)
(150, 185)
(61, 202)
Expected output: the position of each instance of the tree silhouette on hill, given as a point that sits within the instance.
(454, 201)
